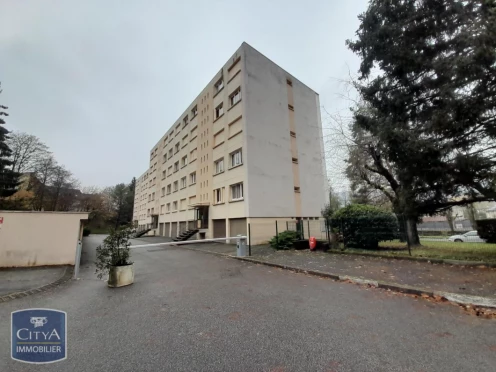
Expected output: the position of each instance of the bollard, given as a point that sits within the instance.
(77, 260)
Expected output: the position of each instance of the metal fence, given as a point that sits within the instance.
(260, 232)
(392, 235)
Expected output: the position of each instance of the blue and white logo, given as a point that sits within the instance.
(39, 335)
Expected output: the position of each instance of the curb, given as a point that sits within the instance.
(419, 259)
(466, 300)
(64, 278)
(453, 297)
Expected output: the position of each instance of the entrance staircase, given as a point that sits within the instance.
(185, 235)
(141, 233)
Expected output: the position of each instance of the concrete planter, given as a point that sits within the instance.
(120, 276)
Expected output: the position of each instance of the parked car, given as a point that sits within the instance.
(470, 237)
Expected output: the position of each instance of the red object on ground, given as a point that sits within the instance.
(313, 243)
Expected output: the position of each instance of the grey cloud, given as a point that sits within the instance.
(101, 81)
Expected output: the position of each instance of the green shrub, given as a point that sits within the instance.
(86, 231)
(284, 240)
(114, 251)
(487, 230)
(364, 226)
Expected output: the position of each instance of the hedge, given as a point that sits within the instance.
(487, 230)
(364, 226)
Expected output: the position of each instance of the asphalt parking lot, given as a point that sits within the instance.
(191, 311)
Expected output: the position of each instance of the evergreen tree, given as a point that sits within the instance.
(428, 82)
(8, 178)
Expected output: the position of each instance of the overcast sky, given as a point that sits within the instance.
(101, 81)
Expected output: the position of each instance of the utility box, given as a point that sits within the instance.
(241, 248)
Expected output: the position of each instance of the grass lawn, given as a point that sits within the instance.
(435, 236)
(443, 250)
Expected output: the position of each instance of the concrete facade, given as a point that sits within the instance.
(39, 238)
(249, 146)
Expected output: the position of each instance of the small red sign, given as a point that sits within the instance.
(1, 220)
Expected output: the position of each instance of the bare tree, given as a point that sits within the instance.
(27, 150)
(63, 192)
(44, 173)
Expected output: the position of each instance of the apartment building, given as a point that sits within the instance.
(248, 150)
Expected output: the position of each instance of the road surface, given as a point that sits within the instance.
(191, 311)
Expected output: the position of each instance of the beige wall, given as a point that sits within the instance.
(39, 238)
(271, 174)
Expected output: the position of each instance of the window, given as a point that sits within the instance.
(194, 111)
(154, 180)
(153, 196)
(170, 153)
(291, 107)
(218, 194)
(236, 158)
(174, 206)
(182, 205)
(185, 121)
(163, 174)
(175, 186)
(219, 111)
(193, 155)
(162, 207)
(192, 178)
(153, 211)
(237, 191)
(164, 158)
(184, 161)
(219, 166)
(183, 182)
(148, 213)
(235, 97)
(295, 160)
(194, 133)
(163, 191)
(292, 134)
(219, 85)
(168, 207)
(176, 166)
(185, 140)
(289, 82)
(169, 171)
(297, 189)
(177, 147)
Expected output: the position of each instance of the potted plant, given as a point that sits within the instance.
(112, 258)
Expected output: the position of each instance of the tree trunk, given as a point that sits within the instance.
(412, 237)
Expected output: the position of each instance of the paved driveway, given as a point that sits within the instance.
(191, 311)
